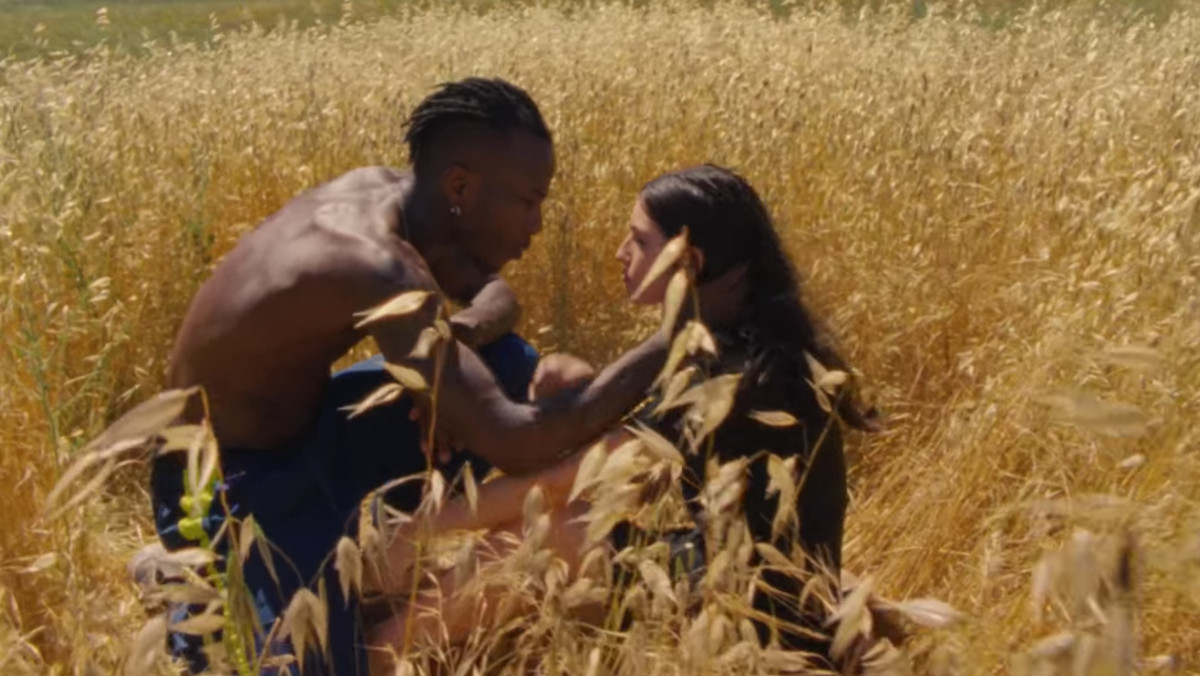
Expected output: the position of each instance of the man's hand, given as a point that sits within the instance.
(490, 306)
(439, 447)
(493, 312)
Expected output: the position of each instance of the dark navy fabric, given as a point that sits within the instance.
(774, 377)
(306, 499)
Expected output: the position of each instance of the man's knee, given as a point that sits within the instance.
(513, 361)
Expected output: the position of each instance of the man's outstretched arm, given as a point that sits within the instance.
(522, 438)
(517, 438)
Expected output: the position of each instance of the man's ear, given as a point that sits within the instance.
(460, 186)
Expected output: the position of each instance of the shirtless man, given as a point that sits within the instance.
(262, 334)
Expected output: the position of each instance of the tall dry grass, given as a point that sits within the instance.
(989, 218)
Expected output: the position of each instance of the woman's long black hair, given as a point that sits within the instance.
(728, 223)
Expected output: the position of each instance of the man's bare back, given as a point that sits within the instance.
(279, 310)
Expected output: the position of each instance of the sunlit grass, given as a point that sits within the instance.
(984, 215)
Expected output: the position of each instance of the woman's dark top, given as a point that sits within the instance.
(775, 377)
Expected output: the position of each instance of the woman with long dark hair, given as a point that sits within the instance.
(763, 331)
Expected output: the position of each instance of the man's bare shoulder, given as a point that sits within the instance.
(341, 239)
(355, 226)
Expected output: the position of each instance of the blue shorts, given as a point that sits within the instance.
(307, 498)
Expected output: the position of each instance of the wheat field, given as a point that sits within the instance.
(1001, 223)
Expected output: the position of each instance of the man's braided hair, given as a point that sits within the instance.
(493, 102)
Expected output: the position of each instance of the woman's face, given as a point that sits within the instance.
(638, 252)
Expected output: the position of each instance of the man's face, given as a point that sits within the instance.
(513, 180)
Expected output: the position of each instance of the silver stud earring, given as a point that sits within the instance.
(456, 210)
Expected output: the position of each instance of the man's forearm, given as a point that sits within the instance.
(518, 438)
(577, 417)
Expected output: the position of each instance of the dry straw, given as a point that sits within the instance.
(1001, 222)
